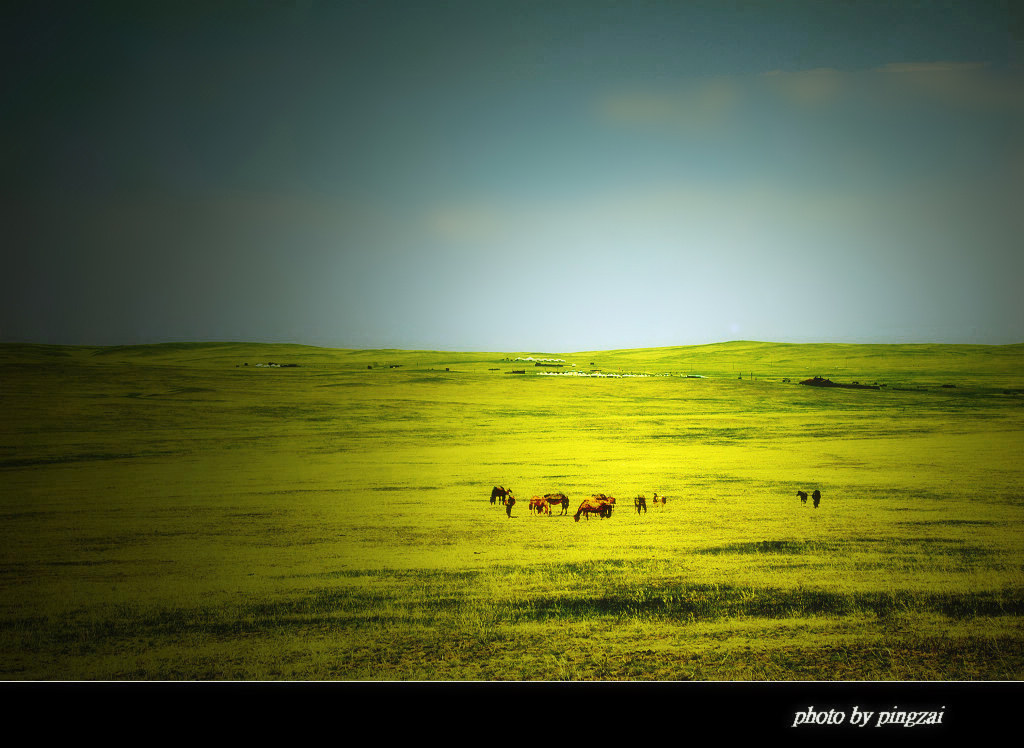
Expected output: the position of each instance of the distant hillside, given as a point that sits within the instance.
(846, 362)
(924, 364)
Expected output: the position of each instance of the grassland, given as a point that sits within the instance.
(177, 512)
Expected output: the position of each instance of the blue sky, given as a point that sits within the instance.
(514, 175)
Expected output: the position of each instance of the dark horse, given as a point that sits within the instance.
(554, 499)
(640, 502)
(817, 497)
(500, 494)
(803, 496)
(609, 504)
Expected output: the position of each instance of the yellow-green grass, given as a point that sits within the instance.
(170, 513)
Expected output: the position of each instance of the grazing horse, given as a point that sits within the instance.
(803, 496)
(539, 505)
(609, 504)
(640, 502)
(500, 494)
(556, 499)
(600, 505)
(658, 500)
(817, 497)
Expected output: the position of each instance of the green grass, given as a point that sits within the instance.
(170, 513)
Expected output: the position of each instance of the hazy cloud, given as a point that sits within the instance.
(464, 223)
(930, 67)
(972, 86)
(697, 106)
(808, 87)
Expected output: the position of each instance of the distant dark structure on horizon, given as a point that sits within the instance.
(819, 382)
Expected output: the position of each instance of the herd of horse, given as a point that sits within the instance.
(599, 504)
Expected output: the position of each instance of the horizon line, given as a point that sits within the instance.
(492, 350)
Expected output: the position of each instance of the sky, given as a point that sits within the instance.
(504, 175)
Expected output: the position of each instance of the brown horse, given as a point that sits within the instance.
(609, 504)
(539, 505)
(500, 494)
(803, 496)
(640, 502)
(556, 499)
(658, 500)
(600, 506)
(817, 497)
